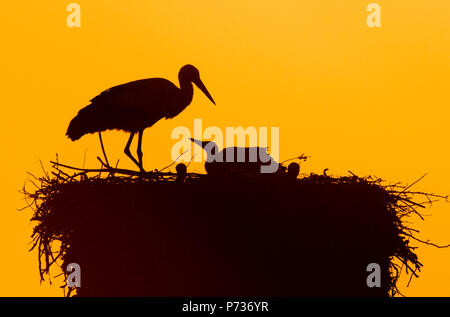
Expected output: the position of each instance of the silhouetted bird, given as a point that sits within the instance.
(181, 172)
(136, 105)
(293, 170)
(239, 160)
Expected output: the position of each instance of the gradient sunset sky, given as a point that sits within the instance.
(371, 100)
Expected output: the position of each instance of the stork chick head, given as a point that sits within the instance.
(209, 146)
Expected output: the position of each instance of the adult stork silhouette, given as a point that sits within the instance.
(136, 105)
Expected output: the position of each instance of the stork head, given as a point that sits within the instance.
(209, 146)
(189, 73)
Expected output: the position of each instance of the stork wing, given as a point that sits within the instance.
(145, 93)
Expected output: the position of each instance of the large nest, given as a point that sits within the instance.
(163, 234)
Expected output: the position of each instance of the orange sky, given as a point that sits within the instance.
(373, 101)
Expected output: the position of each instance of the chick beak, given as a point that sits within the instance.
(200, 143)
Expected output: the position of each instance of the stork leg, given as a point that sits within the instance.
(103, 148)
(127, 149)
(139, 150)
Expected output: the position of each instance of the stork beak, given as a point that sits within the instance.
(200, 143)
(202, 87)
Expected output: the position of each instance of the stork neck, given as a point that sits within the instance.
(187, 91)
(212, 152)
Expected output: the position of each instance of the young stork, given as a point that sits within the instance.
(248, 160)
